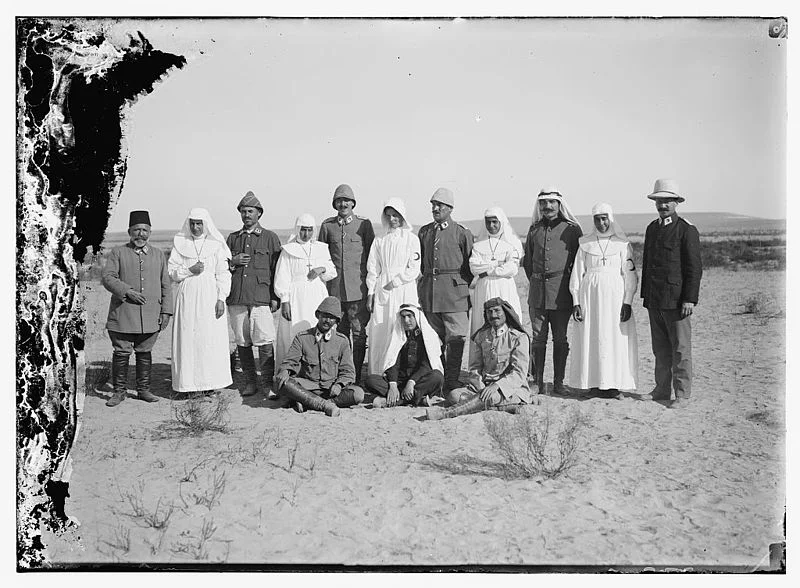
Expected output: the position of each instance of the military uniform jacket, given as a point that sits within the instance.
(550, 250)
(500, 359)
(671, 267)
(253, 284)
(144, 272)
(325, 362)
(444, 285)
(349, 243)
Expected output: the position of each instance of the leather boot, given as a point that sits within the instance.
(560, 353)
(248, 368)
(473, 405)
(119, 378)
(266, 357)
(452, 369)
(144, 363)
(539, 353)
(359, 352)
(350, 396)
(308, 399)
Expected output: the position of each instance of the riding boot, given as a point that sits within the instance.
(119, 378)
(359, 352)
(249, 369)
(560, 353)
(309, 399)
(473, 405)
(539, 353)
(350, 396)
(452, 370)
(266, 357)
(144, 362)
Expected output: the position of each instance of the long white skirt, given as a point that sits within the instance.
(604, 351)
(200, 359)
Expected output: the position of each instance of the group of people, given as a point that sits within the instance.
(336, 295)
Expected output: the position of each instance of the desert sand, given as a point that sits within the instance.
(700, 486)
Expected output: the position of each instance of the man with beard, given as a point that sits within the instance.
(141, 305)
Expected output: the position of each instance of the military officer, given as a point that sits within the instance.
(671, 272)
(550, 250)
(444, 286)
(252, 300)
(349, 238)
(141, 305)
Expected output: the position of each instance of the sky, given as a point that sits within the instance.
(492, 109)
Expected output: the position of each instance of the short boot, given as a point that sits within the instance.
(309, 400)
(473, 405)
(452, 369)
(266, 357)
(539, 353)
(248, 368)
(560, 353)
(144, 364)
(359, 352)
(509, 408)
(350, 396)
(119, 378)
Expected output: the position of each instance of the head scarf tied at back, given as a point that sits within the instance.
(433, 346)
(506, 232)
(552, 193)
(183, 240)
(304, 220)
(613, 227)
(400, 207)
(512, 320)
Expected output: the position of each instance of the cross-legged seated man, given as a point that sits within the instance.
(412, 365)
(498, 366)
(317, 372)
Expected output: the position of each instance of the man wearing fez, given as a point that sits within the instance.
(498, 366)
(252, 300)
(671, 272)
(141, 304)
(550, 250)
(444, 286)
(349, 238)
(317, 372)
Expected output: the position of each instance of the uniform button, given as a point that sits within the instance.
(244, 275)
(248, 245)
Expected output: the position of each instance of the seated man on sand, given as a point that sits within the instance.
(411, 373)
(498, 366)
(317, 372)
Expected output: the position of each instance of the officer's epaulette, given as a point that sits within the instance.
(686, 220)
(463, 227)
(363, 218)
(311, 331)
(345, 337)
(331, 219)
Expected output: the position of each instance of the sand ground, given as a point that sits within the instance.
(700, 486)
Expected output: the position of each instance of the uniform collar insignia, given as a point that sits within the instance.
(344, 221)
(144, 249)
(666, 221)
(442, 226)
(320, 336)
(256, 230)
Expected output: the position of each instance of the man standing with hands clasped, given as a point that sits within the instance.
(671, 272)
(252, 300)
(141, 304)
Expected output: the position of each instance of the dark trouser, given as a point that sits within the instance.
(428, 385)
(672, 346)
(452, 328)
(303, 390)
(355, 317)
(541, 321)
(123, 344)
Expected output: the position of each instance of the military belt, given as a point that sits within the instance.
(546, 276)
(436, 271)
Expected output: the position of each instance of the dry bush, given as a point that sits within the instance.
(195, 547)
(198, 415)
(531, 445)
(121, 539)
(97, 375)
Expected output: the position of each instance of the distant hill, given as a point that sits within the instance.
(708, 223)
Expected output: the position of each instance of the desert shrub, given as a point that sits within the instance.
(97, 375)
(755, 304)
(531, 444)
(198, 415)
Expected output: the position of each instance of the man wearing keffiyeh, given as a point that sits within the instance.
(498, 366)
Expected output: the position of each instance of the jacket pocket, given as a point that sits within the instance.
(261, 259)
